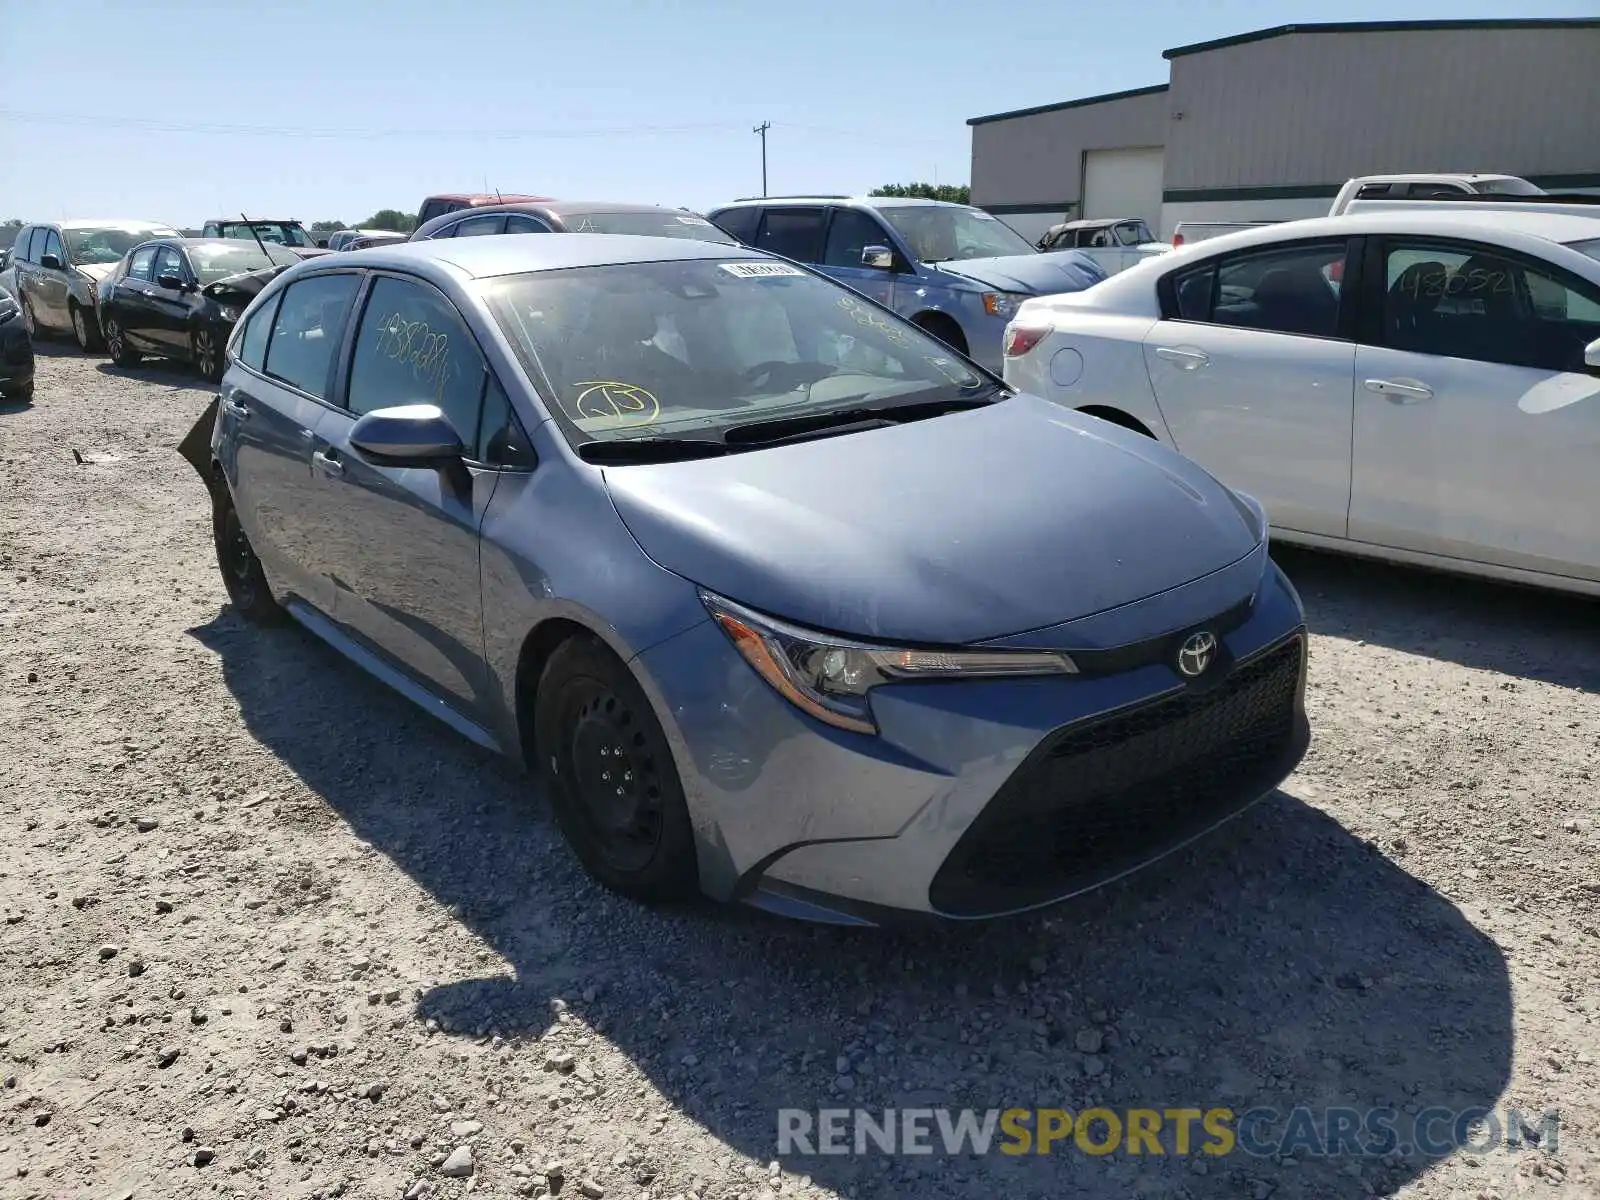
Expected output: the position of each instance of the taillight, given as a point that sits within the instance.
(1336, 270)
(1177, 240)
(1020, 339)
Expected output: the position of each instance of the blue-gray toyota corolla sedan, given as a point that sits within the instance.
(783, 601)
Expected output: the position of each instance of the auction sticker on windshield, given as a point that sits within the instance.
(747, 270)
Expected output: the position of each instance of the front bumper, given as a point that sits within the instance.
(977, 799)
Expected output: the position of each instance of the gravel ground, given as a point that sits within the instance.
(270, 932)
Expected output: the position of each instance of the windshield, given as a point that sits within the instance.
(216, 261)
(649, 224)
(1590, 247)
(1134, 233)
(686, 348)
(280, 233)
(946, 233)
(88, 247)
(1507, 187)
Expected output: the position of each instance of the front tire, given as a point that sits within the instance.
(21, 393)
(236, 558)
(944, 328)
(85, 329)
(117, 345)
(205, 349)
(610, 775)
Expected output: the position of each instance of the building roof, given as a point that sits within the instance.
(1261, 35)
(1046, 108)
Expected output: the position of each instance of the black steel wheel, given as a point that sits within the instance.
(610, 774)
(241, 569)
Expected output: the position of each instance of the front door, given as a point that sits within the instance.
(1477, 424)
(849, 232)
(130, 300)
(50, 285)
(403, 552)
(1252, 366)
(169, 306)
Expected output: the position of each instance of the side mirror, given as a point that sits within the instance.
(172, 283)
(411, 435)
(51, 262)
(1591, 354)
(879, 258)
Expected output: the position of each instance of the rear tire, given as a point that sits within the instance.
(21, 393)
(236, 559)
(610, 775)
(86, 329)
(29, 325)
(117, 345)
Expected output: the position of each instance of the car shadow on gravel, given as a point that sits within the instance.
(168, 372)
(1528, 632)
(1281, 963)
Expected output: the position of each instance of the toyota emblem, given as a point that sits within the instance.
(1196, 654)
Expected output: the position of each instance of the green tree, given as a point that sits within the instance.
(954, 193)
(391, 218)
(327, 226)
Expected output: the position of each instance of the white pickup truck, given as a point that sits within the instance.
(1367, 192)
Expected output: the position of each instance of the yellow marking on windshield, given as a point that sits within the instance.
(613, 400)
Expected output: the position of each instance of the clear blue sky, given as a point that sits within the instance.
(333, 109)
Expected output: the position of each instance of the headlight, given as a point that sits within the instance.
(830, 677)
(1003, 304)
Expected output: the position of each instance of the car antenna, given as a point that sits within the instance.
(248, 225)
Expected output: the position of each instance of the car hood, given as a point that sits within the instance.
(307, 251)
(243, 286)
(952, 530)
(1040, 274)
(96, 271)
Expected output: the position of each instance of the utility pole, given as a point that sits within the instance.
(762, 130)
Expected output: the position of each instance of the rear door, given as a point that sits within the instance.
(403, 549)
(270, 413)
(794, 232)
(1252, 365)
(1477, 424)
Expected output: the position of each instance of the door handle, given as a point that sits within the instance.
(236, 410)
(1188, 360)
(1398, 391)
(327, 464)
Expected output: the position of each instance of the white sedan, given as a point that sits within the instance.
(1421, 387)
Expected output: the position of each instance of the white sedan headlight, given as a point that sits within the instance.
(830, 677)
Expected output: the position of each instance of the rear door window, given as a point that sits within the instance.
(481, 226)
(792, 232)
(305, 336)
(520, 223)
(739, 222)
(1284, 289)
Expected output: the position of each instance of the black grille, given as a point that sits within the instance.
(1099, 798)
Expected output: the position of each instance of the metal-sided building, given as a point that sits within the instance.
(1268, 125)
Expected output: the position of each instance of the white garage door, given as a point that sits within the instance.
(1123, 183)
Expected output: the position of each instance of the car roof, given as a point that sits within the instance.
(1553, 227)
(109, 223)
(1425, 176)
(843, 201)
(512, 254)
(477, 199)
(224, 243)
(563, 208)
(252, 220)
(1094, 223)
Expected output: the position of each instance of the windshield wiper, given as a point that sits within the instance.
(621, 451)
(777, 429)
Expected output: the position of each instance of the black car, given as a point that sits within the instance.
(179, 298)
(16, 352)
(573, 216)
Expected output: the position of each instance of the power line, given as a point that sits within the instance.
(167, 126)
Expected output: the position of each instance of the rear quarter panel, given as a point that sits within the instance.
(1092, 359)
